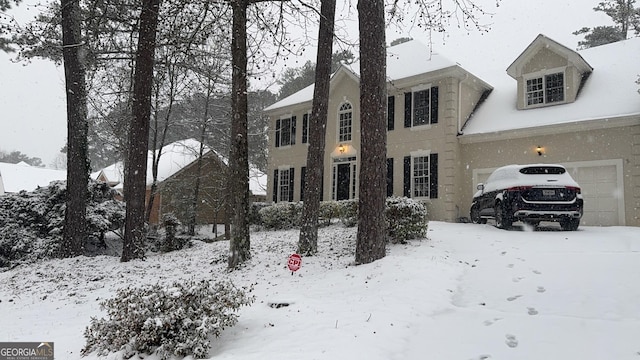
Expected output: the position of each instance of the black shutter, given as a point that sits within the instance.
(391, 105)
(433, 176)
(305, 128)
(407, 109)
(303, 181)
(389, 177)
(434, 105)
(293, 130)
(275, 185)
(278, 133)
(407, 176)
(291, 183)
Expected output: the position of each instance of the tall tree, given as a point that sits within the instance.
(4, 6)
(308, 241)
(73, 50)
(239, 246)
(371, 238)
(625, 17)
(136, 172)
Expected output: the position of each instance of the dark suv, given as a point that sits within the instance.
(531, 194)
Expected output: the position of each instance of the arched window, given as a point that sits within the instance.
(345, 122)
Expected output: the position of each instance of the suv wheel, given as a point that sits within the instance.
(570, 224)
(503, 220)
(475, 216)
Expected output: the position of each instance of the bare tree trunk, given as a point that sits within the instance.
(239, 246)
(74, 233)
(308, 241)
(135, 182)
(371, 238)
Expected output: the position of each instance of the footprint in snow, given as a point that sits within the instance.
(511, 341)
(541, 289)
(537, 272)
(532, 311)
(481, 357)
(510, 266)
(517, 279)
(490, 322)
(511, 298)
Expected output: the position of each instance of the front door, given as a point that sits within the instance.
(343, 181)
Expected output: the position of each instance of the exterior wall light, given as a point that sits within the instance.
(540, 150)
(342, 148)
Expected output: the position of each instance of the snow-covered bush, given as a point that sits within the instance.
(406, 219)
(283, 215)
(170, 241)
(254, 212)
(31, 223)
(175, 320)
(348, 212)
(328, 210)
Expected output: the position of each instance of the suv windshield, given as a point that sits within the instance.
(542, 170)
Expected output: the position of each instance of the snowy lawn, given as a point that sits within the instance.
(467, 292)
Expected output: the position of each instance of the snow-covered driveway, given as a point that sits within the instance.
(543, 294)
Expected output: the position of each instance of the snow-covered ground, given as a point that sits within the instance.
(466, 292)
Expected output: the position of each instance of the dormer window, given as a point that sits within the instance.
(546, 89)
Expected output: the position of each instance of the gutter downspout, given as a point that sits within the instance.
(459, 129)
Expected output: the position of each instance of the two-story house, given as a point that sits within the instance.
(448, 129)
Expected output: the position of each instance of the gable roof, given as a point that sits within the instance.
(17, 177)
(541, 41)
(404, 61)
(174, 157)
(609, 93)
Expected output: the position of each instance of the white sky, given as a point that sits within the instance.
(32, 101)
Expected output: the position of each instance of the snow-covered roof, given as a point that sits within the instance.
(404, 60)
(174, 157)
(257, 181)
(609, 92)
(17, 177)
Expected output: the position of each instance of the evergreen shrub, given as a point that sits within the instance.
(176, 320)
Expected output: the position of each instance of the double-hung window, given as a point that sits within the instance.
(283, 182)
(345, 122)
(421, 107)
(286, 131)
(421, 176)
(545, 89)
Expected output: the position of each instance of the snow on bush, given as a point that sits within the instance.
(283, 215)
(31, 223)
(406, 219)
(175, 320)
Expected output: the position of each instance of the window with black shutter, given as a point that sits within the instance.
(305, 128)
(406, 176)
(389, 177)
(391, 105)
(303, 181)
(421, 107)
(275, 186)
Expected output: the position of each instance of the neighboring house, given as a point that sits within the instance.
(22, 176)
(176, 182)
(448, 129)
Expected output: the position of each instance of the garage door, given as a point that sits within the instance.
(602, 192)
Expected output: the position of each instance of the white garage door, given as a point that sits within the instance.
(602, 191)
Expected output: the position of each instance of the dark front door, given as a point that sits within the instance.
(342, 187)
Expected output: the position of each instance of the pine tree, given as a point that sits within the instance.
(308, 242)
(624, 15)
(371, 238)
